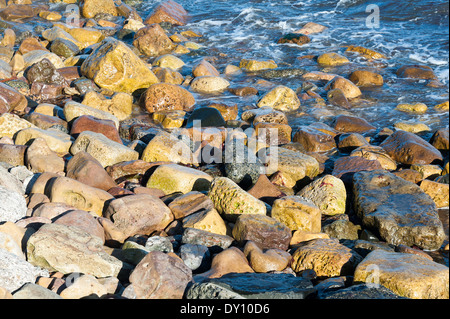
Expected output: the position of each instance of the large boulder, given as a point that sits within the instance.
(397, 209)
(114, 66)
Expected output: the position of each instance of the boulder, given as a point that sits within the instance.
(280, 98)
(297, 213)
(407, 275)
(165, 97)
(398, 210)
(153, 41)
(408, 148)
(53, 247)
(114, 66)
(93, 7)
(349, 89)
(138, 214)
(168, 11)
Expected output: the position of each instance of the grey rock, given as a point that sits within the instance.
(397, 209)
(196, 257)
(252, 286)
(360, 291)
(158, 243)
(13, 205)
(213, 241)
(33, 291)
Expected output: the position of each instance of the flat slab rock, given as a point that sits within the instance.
(252, 286)
(399, 210)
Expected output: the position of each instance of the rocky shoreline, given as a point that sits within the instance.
(110, 189)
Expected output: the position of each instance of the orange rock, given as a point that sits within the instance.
(168, 11)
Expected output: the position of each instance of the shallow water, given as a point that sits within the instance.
(410, 32)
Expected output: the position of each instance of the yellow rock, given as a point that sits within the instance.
(407, 275)
(411, 127)
(10, 124)
(191, 34)
(206, 220)
(181, 49)
(50, 15)
(416, 108)
(427, 170)
(366, 52)
(74, 109)
(120, 105)
(442, 106)
(280, 98)
(257, 65)
(263, 261)
(93, 7)
(114, 66)
(297, 213)
(169, 119)
(56, 140)
(192, 45)
(332, 59)
(86, 36)
(57, 32)
(439, 192)
(168, 61)
(168, 76)
(300, 236)
(166, 148)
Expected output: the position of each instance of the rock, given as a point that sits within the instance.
(232, 201)
(79, 195)
(84, 286)
(35, 56)
(364, 78)
(172, 178)
(120, 104)
(264, 190)
(138, 214)
(440, 139)
(40, 158)
(82, 220)
(106, 151)
(399, 210)
(45, 122)
(328, 193)
(160, 276)
(215, 242)
(168, 61)
(16, 271)
(342, 229)
(196, 257)
(349, 89)
(377, 153)
(13, 154)
(231, 260)
(256, 65)
(107, 70)
(13, 206)
(166, 96)
(167, 148)
(327, 257)
(205, 117)
(252, 286)
(10, 124)
(427, 170)
(86, 36)
(416, 108)
(228, 112)
(314, 140)
(273, 133)
(64, 48)
(311, 28)
(166, 75)
(297, 213)
(204, 68)
(407, 275)
(11, 99)
(153, 41)
(91, 8)
(421, 72)
(53, 247)
(263, 261)
(168, 11)
(345, 167)
(34, 291)
(208, 220)
(87, 170)
(409, 175)
(350, 141)
(264, 231)
(408, 148)
(360, 291)
(296, 166)
(59, 142)
(73, 110)
(295, 38)
(96, 125)
(337, 97)
(442, 107)
(241, 165)
(365, 52)
(439, 192)
(158, 243)
(190, 203)
(351, 124)
(243, 91)
(300, 236)
(332, 59)
(280, 98)
(209, 84)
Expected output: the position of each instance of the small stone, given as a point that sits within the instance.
(168, 61)
(209, 84)
(351, 124)
(364, 78)
(263, 261)
(349, 89)
(204, 68)
(256, 65)
(416, 108)
(196, 257)
(215, 242)
(332, 59)
(368, 53)
(280, 98)
(295, 38)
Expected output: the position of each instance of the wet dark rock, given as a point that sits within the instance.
(361, 291)
(208, 117)
(252, 286)
(294, 38)
(399, 211)
(64, 48)
(281, 73)
(44, 72)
